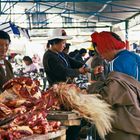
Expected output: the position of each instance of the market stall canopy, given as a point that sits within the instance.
(93, 11)
(80, 14)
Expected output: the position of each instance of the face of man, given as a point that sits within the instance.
(4, 44)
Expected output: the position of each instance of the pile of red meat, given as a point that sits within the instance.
(23, 109)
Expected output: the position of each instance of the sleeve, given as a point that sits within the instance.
(74, 63)
(59, 70)
(33, 67)
(127, 65)
(118, 92)
(98, 61)
(10, 68)
(138, 62)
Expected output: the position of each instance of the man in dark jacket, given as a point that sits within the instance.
(6, 72)
(80, 55)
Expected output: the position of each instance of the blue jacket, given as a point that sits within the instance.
(126, 62)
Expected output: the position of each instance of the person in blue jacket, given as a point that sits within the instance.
(110, 47)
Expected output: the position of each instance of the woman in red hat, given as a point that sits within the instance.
(110, 46)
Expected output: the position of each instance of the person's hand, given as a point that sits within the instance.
(92, 81)
(98, 69)
(82, 70)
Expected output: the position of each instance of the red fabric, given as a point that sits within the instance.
(106, 42)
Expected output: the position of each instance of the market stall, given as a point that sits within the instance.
(26, 111)
(67, 118)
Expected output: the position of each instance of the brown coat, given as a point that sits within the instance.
(4, 77)
(123, 93)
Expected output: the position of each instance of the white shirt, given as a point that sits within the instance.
(30, 68)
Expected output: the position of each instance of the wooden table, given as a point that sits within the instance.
(58, 135)
(67, 118)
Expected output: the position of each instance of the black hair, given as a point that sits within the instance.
(94, 46)
(116, 36)
(91, 52)
(81, 51)
(27, 58)
(4, 35)
(73, 53)
(53, 41)
(67, 46)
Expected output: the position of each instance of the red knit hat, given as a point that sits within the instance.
(106, 42)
